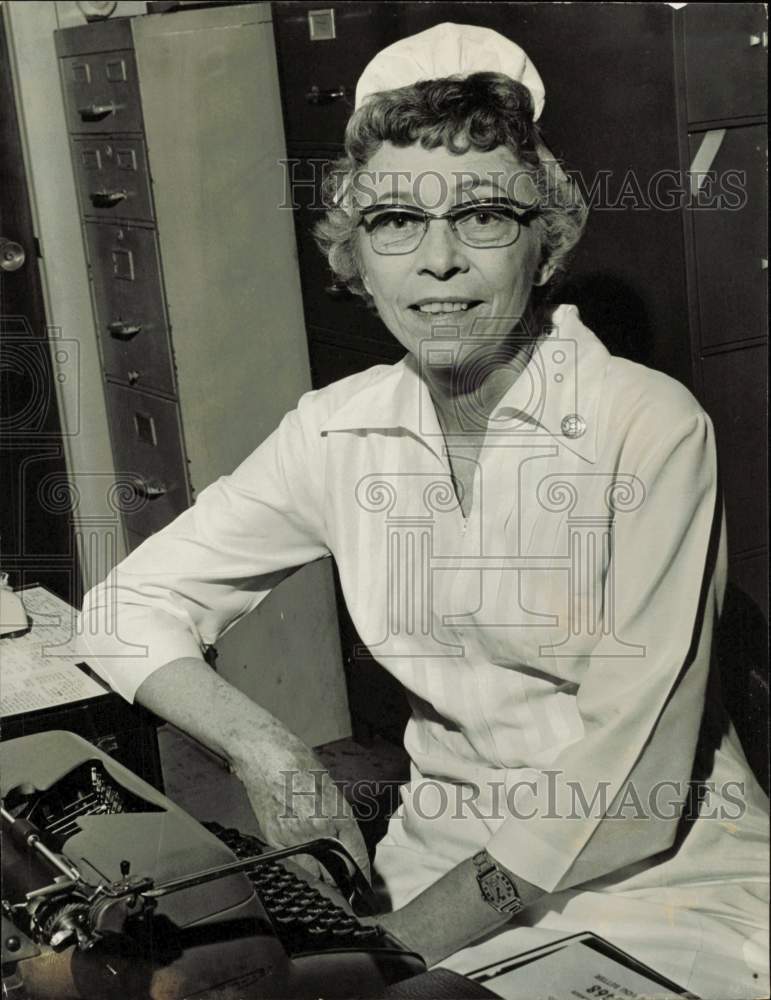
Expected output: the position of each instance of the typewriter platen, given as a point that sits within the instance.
(112, 891)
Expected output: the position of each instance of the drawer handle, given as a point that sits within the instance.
(761, 39)
(96, 112)
(318, 96)
(106, 199)
(124, 330)
(149, 488)
(339, 291)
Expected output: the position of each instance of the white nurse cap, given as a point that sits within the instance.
(449, 50)
(456, 50)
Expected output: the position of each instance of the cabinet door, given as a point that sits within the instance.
(731, 240)
(734, 394)
(330, 363)
(149, 461)
(725, 60)
(130, 307)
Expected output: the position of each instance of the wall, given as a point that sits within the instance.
(30, 26)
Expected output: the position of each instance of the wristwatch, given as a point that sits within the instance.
(498, 888)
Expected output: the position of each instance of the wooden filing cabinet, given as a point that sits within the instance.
(177, 147)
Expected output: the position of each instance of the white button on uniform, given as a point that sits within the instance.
(573, 426)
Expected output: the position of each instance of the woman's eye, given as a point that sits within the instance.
(488, 216)
(395, 220)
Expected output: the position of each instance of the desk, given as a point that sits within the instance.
(45, 686)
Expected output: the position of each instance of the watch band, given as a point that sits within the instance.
(483, 863)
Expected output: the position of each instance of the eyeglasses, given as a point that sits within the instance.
(396, 229)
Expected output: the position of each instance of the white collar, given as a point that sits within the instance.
(562, 380)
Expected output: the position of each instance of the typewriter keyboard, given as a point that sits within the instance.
(305, 919)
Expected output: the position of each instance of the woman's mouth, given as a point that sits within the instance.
(435, 306)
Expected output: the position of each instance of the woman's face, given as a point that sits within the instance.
(477, 291)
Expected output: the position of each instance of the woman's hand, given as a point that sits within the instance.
(295, 799)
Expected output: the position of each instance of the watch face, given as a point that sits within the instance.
(499, 891)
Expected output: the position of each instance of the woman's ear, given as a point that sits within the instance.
(544, 273)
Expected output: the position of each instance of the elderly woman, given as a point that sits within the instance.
(528, 535)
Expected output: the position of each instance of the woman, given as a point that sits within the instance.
(528, 536)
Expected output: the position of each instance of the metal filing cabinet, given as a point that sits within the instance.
(726, 133)
(177, 142)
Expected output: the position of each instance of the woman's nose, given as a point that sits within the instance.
(441, 253)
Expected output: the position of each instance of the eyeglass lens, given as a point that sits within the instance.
(401, 230)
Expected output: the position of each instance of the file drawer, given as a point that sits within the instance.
(330, 305)
(734, 388)
(731, 242)
(112, 178)
(101, 92)
(327, 302)
(731, 37)
(330, 362)
(149, 460)
(130, 307)
(319, 92)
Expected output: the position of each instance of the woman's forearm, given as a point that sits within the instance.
(292, 794)
(450, 914)
(190, 695)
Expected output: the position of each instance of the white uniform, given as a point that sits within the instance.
(555, 644)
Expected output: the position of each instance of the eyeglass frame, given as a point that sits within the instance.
(523, 218)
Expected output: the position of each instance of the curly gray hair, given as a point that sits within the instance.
(482, 111)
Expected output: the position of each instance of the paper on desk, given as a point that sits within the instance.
(570, 970)
(38, 670)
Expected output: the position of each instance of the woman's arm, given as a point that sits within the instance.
(144, 629)
(451, 914)
(616, 794)
(290, 790)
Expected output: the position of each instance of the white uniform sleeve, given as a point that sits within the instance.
(641, 715)
(196, 578)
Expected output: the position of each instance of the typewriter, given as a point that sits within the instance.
(112, 891)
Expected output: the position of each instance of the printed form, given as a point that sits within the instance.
(39, 669)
